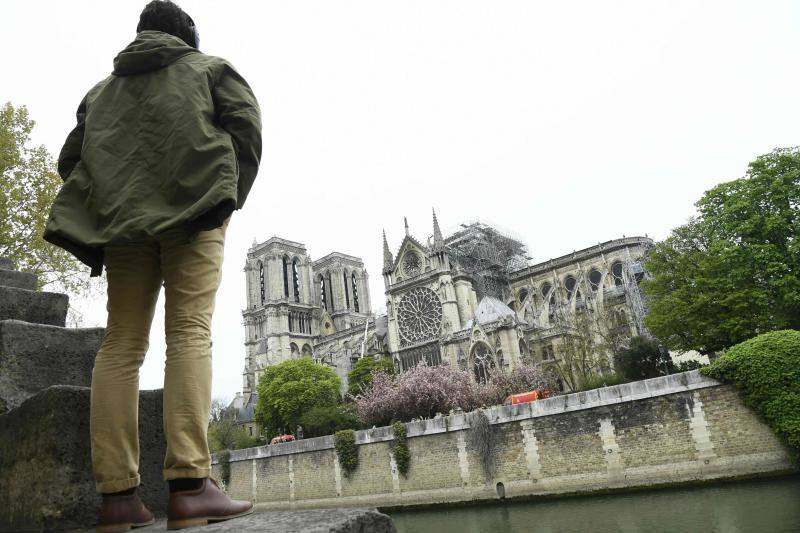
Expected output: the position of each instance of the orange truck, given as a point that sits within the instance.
(531, 396)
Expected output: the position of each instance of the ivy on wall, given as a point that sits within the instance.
(402, 456)
(482, 440)
(224, 458)
(346, 450)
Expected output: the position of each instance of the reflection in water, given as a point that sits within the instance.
(768, 506)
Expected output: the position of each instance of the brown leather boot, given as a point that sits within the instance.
(123, 512)
(203, 505)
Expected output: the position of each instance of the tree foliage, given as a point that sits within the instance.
(29, 184)
(644, 358)
(327, 420)
(290, 389)
(360, 377)
(400, 451)
(766, 372)
(731, 272)
(223, 431)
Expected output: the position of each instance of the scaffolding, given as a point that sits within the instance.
(488, 255)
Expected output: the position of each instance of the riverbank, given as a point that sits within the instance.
(672, 430)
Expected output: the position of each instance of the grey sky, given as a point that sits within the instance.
(567, 123)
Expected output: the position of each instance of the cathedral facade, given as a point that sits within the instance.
(470, 300)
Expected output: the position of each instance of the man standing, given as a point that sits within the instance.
(165, 149)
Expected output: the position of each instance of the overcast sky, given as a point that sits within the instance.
(565, 123)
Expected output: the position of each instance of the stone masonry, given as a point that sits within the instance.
(46, 477)
(682, 428)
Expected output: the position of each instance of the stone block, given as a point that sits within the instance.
(46, 480)
(17, 279)
(316, 521)
(36, 356)
(33, 306)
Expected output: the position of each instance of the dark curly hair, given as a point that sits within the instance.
(166, 16)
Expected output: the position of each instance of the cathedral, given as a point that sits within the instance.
(470, 300)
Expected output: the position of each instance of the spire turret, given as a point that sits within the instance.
(438, 240)
(405, 220)
(388, 260)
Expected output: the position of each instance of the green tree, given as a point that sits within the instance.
(360, 377)
(731, 272)
(290, 389)
(645, 358)
(28, 185)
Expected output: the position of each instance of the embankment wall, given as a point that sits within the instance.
(669, 430)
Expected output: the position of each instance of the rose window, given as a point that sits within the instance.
(411, 264)
(420, 315)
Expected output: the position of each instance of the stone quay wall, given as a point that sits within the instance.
(669, 430)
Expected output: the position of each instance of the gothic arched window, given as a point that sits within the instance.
(296, 280)
(346, 291)
(616, 272)
(355, 293)
(322, 293)
(595, 277)
(285, 277)
(569, 284)
(482, 362)
(330, 293)
(261, 281)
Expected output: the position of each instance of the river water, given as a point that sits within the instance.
(768, 506)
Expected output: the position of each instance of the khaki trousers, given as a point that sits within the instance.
(190, 271)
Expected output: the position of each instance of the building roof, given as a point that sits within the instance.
(490, 309)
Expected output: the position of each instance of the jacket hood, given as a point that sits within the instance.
(150, 50)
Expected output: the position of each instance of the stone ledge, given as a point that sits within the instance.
(627, 392)
(33, 306)
(17, 279)
(36, 356)
(46, 481)
(311, 521)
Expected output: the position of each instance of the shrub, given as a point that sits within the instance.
(346, 450)
(766, 372)
(690, 364)
(482, 439)
(644, 359)
(596, 381)
(400, 451)
(327, 420)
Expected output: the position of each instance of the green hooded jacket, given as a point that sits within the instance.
(171, 138)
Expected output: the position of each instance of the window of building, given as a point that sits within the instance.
(261, 281)
(296, 280)
(616, 272)
(355, 292)
(323, 293)
(547, 353)
(595, 277)
(346, 292)
(285, 277)
(546, 289)
(330, 293)
(522, 295)
(569, 284)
